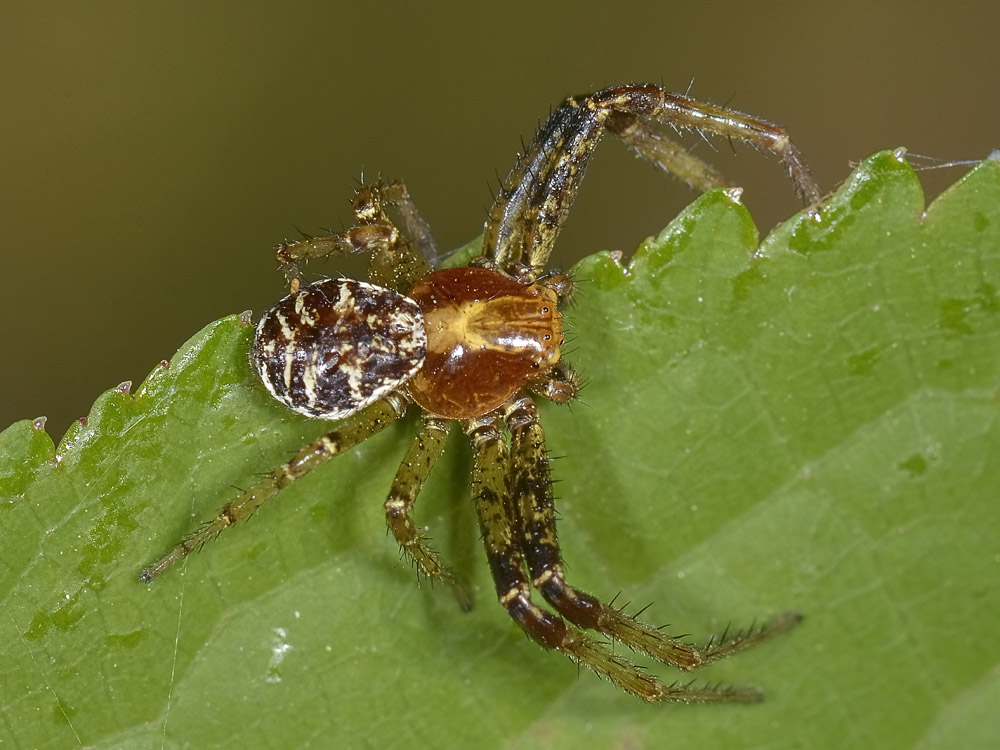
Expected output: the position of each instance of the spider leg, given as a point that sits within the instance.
(498, 523)
(394, 263)
(371, 202)
(561, 384)
(532, 492)
(535, 198)
(413, 471)
(666, 153)
(358, 428)
(369, 238)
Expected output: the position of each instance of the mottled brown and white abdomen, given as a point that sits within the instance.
(338, 345)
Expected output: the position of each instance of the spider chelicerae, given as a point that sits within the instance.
(475, 345)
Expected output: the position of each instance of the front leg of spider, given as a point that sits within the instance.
(533, 513)
(472, 346)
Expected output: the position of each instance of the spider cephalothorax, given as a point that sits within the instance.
(472, 345)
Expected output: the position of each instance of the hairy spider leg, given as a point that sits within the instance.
(561, 385)
(498, 520)
(531, 488)
(535, 198)
(357, 429)
(374, 238)
(413, 471)
(508, 223)
(398, 257)
(664, 152)
(395, 195)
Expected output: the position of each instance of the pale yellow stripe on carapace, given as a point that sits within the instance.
(501, 324)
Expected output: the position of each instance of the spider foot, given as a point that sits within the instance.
(633, 679)
(637, 635)
(586, 611)
(728, 643)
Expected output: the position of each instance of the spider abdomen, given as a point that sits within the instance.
(338, 345)
(488, 335)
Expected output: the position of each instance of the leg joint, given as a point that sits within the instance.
(543, 628)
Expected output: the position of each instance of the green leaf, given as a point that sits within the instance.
(810, 424)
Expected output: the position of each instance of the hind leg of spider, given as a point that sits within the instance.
(497, 520)
(399, 257)
(531, 487)
(358, 428)
(413, 471)
(371, 204)
(373, 238)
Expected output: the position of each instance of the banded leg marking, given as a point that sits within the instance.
(370, 206)
(531, 486)
(361, 426)
(498, 522)
(413, 471)
(394, 262)
(534, 199)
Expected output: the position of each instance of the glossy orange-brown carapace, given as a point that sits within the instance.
(487, 337)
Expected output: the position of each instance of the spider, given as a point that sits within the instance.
(475, 345)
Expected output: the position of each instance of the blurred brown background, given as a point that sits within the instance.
(152, 154)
